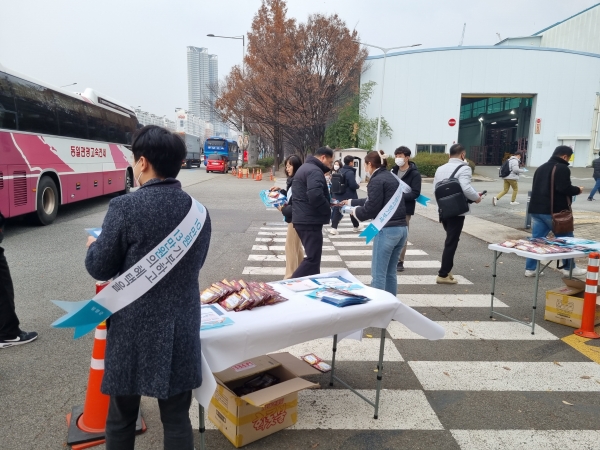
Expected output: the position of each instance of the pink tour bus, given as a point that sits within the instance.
(58, 147)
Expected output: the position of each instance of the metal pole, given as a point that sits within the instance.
(535, 295)
(493, 283)
(381, 101)
(379, 373)
(243, 75)
(202, 428)
(333, 360)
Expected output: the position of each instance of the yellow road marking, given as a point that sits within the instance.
(579, 344)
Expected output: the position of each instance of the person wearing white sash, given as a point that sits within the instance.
(153, 343)
(384, 192)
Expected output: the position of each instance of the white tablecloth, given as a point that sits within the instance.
(537, 256)
(270, 328)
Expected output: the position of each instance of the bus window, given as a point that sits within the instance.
(71, 117)
(97, 123)
(35, 107)
(8, 115)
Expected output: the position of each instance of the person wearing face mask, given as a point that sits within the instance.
(454, 225)
(407, 171)
(511, 180)
(153, 344)
(347, 190)
(388, 243)
(540, 207)
(311, 208)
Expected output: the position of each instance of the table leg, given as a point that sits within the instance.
(535, 295)
(201, 427)
(493, 283)
(333, 360)
(379, 372)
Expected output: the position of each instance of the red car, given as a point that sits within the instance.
(217, 163)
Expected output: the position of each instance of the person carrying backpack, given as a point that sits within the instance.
(455, 175)
(510, 172)
(344, 187)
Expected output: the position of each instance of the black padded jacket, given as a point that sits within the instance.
(312, 204)
(412, 177)
(381, 188)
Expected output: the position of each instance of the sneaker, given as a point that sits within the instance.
(23, 338)
(577, 272)
(531, 273)
(450, 276)
(333, 231)
(494, 201)
(514, 203)
(400, 266)
(445, 280)
(590, 199)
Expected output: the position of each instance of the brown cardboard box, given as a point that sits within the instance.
(251, 417)
(564, 305)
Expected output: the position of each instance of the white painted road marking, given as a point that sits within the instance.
(449, 300)
(526, 439)
(281, 270)
(415, 279)
(347, 349)
(477, 330)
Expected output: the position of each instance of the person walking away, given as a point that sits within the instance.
(10, 333)
(540, 208)
(294, 253)
(311, 209)
(388, 243)
(153, 344)
(596, 188)
(347, 188)
(512, 179)
(407, 171)
(454, 225)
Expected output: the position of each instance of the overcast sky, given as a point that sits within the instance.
(135, 50)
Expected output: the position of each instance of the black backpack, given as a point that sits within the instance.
(450, 197)
(504, 169)
(338, 183)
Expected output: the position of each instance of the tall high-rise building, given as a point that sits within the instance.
(203, 72)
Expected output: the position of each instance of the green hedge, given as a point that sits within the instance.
(427, 163)
(266, 163)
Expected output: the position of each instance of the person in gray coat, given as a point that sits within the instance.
(512, 179)
(153, 344)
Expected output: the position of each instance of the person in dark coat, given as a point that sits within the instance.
(311, 208)
(348, 172)
(407, 171)
(596, 175)
(153, 344)
(294, 253)
(10, 333)
(388, 243)
(539, 205)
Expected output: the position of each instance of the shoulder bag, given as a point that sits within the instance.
(562, 222)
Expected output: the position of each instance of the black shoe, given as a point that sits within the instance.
(23, 338)
(400, 266)
(590, 199)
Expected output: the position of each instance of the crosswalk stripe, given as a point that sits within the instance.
(341, 409)
(276, 224)
(507, 376)
(272, 228)
(281, 248)
(370, 252)
(414, 279)
(352, 244)
(526, 439)
(280, 270)
(276, 239)
(281, 258)
(477, 330)
(347, 350)
(407, 264)
(449, 300)
(272, 233)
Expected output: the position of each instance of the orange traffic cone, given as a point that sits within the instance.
(271, 177)
(87, 424)
(253, 173)
(589, 299)
(240, 173)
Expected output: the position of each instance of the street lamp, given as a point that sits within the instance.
(67, 85)
(243, 38)
(385, 52)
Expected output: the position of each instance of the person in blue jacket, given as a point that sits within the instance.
(348, 192)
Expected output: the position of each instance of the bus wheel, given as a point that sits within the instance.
(47, 201)
(128, 183)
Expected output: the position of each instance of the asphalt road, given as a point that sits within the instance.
(443, 394)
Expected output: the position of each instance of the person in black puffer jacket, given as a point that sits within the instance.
(311, 208)
(389, 242)
(349, 175)
(10, 333)
(407, 171)
(294, 254)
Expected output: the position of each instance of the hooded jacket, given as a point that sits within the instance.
(311, 205)
(412, 177)
(540, 190)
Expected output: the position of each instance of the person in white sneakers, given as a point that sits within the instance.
(511, 180)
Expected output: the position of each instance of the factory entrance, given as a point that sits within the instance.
(493, 127)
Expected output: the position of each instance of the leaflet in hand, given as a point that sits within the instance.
(94, 232)
(272, 199)
(212, 317)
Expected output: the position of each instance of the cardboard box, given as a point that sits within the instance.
(564, 305)
(251, 417)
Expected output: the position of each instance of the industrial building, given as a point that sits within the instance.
(526, 93)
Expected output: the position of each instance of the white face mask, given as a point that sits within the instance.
(137, 180)
(399, 162)
(336, 167)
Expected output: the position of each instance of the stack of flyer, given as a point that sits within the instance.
(342, 298)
